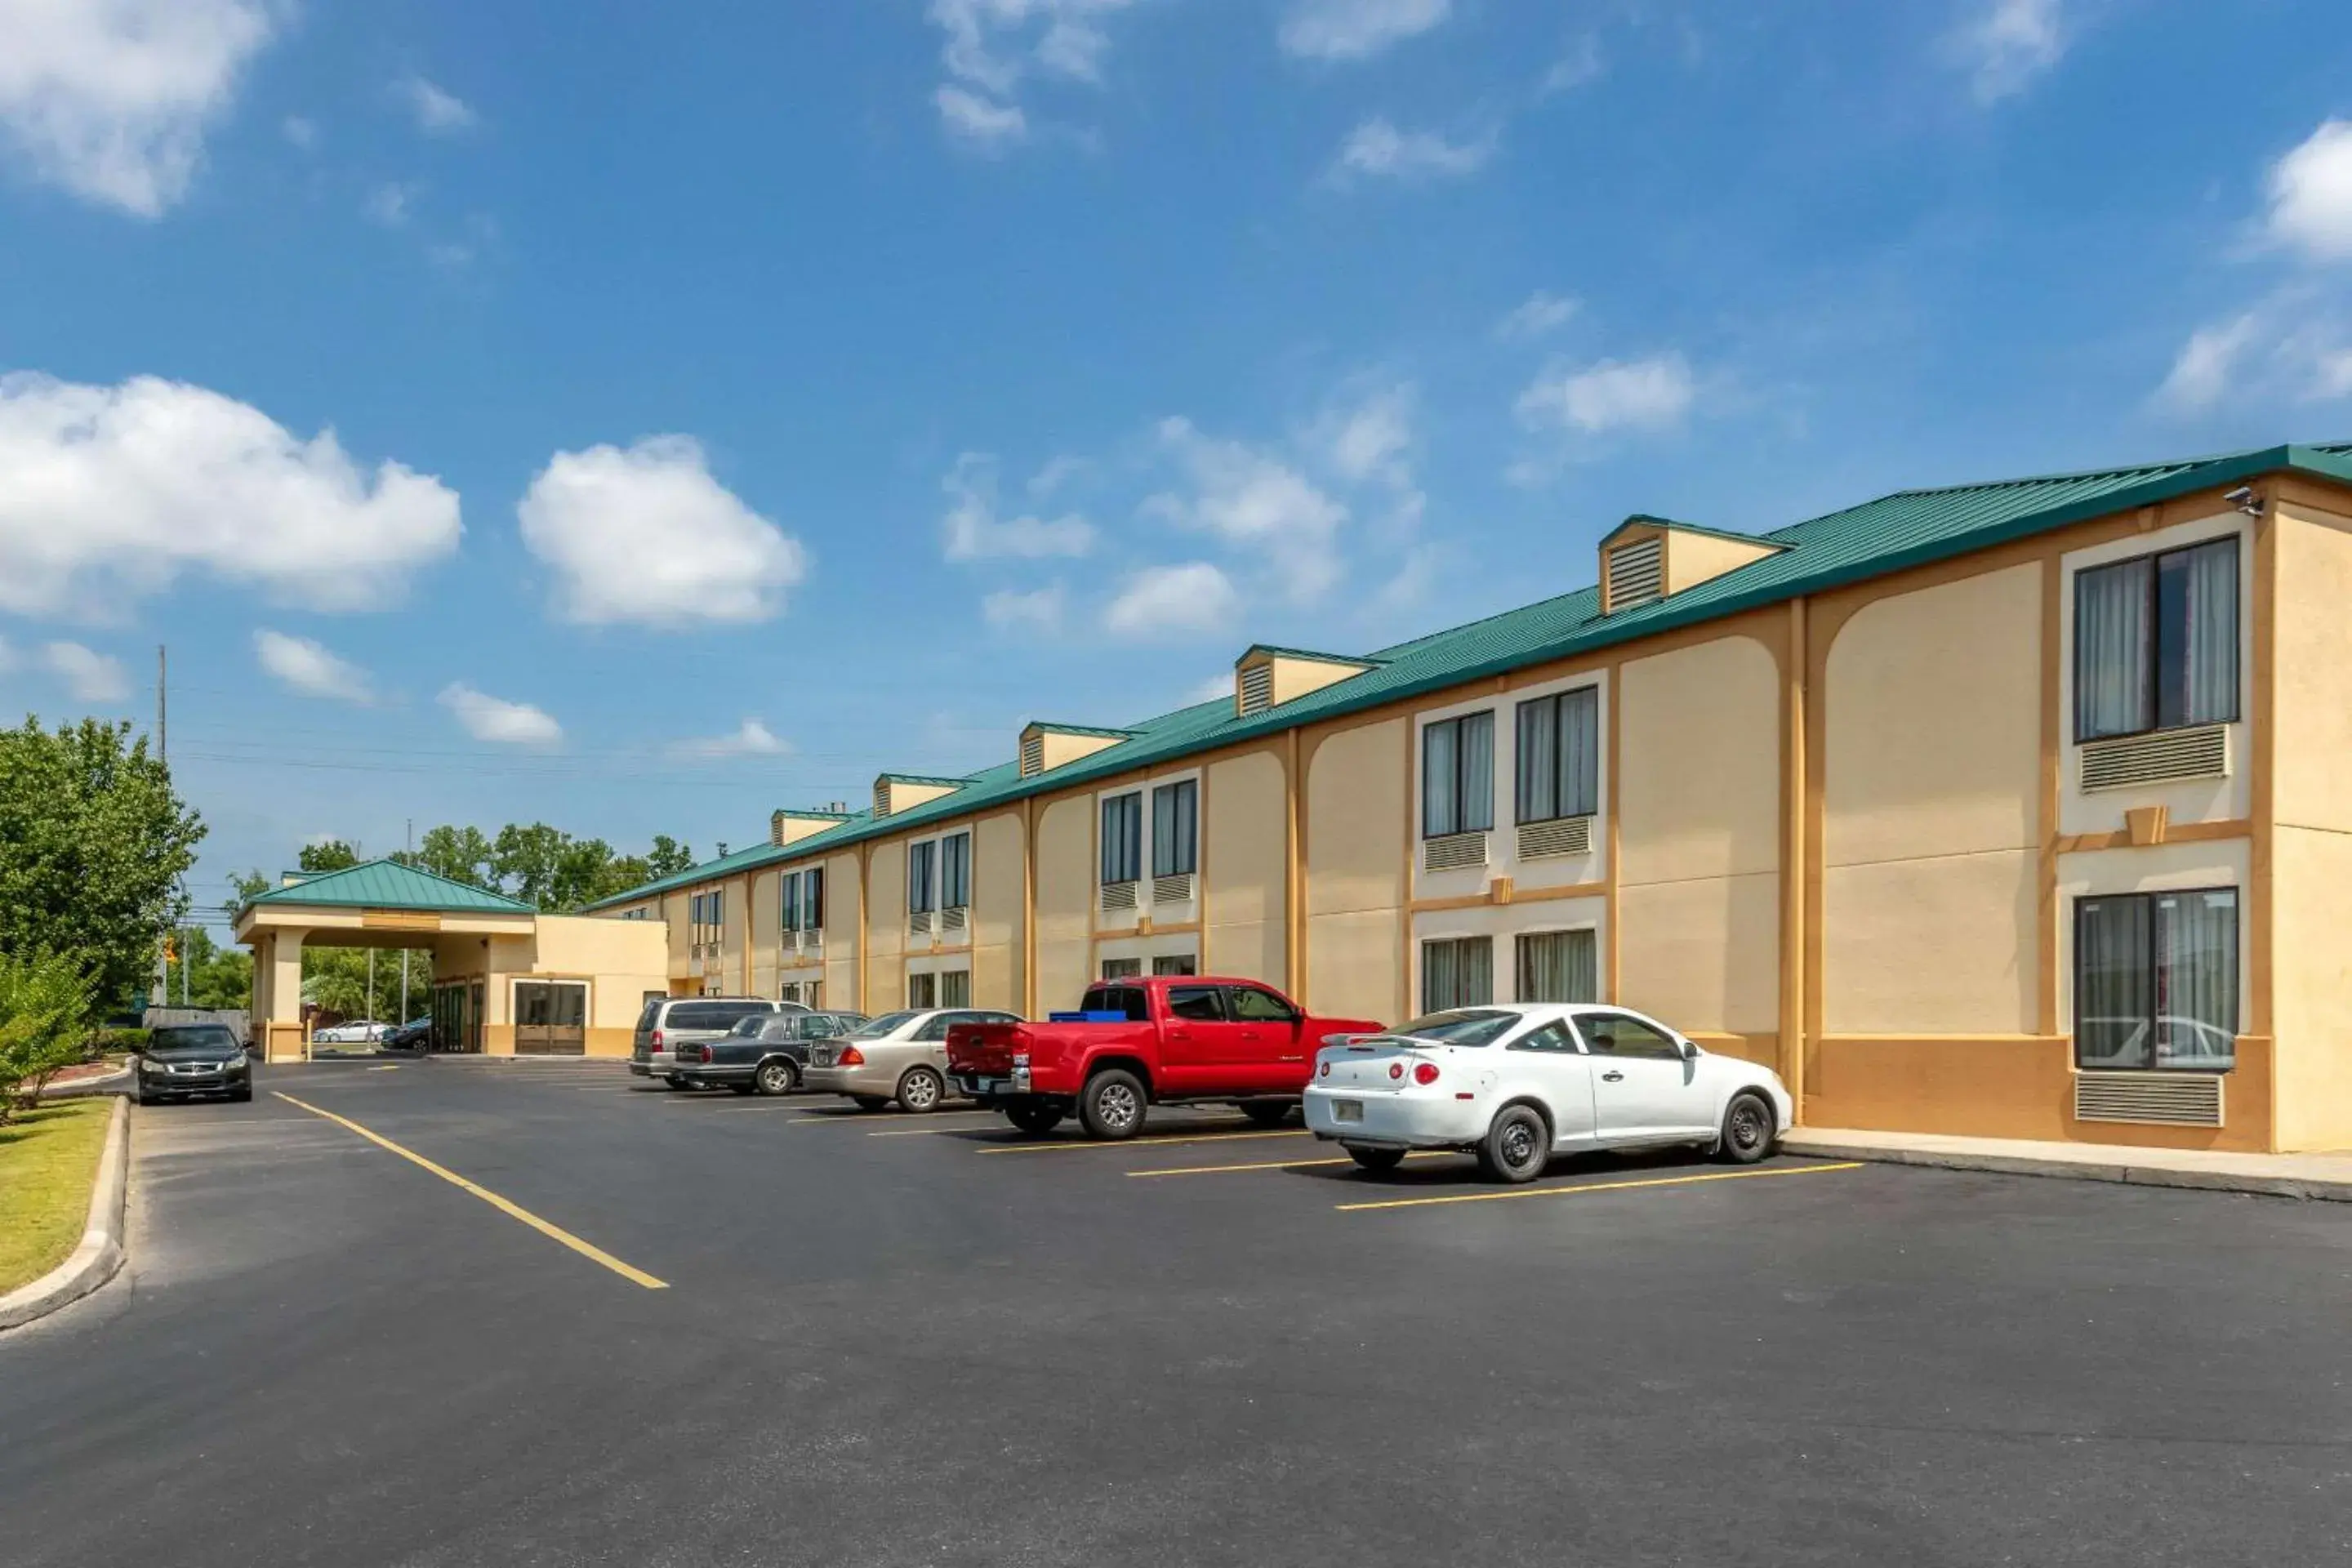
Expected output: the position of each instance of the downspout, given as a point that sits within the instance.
(1795, 858)
(1294, 977)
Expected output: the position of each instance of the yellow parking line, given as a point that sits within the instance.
(1599, 1186)
(553, 1232)
(1135, 1142)
(1276, 1164)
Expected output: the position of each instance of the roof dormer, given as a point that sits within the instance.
(1045, 747)
(1647, 558)
(789, 826)
(895, 793)
(1268, 676)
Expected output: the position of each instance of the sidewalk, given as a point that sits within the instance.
(2327, 1176)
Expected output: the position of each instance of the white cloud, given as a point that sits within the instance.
(2201, 372)
(89, 675)
(1634, 395)
(1056, 472)
(1039, 610)
(487, 718)
(302, 132)
(2311, 194)
(1254, 499)
(645, 535)
(437, 112)
(980, 120)
(1355, 29)
(990, 48)
(1378, 150)
(750, 738)
(972, 531)
(1214, 689)
(1161, 602)
(113, 491)
(388, 205)
(1580, 63)
(109, 99)
(1539, 313)
(2008, 43)
(308, 666)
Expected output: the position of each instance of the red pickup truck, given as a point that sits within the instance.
(1161, 1040)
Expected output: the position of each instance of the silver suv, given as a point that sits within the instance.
(668, 1021)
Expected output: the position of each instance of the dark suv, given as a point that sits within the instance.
(762, 1055)
(670, 1022)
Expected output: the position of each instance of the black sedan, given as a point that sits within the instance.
(189, 1061)
(764, 1054)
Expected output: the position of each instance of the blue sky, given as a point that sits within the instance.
(639, 418)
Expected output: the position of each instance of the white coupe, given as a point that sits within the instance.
(1516, 1084)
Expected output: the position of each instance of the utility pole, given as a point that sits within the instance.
(162, 753)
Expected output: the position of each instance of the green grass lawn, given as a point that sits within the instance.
(49, 1163)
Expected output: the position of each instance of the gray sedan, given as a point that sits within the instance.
(900, 1057)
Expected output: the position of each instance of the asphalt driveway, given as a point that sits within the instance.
(534, 1313)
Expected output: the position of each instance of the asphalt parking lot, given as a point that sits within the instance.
(586, 1321)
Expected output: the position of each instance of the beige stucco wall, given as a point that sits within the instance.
(1699, 805)
(2311, 855)
(625, 959)
(765, 925)
(1931, 789)
(1066, 890)
(675, 907)
(1357, 840)
(998, 889)
(845, 917)
(1245, 822)
(886, 925)
(1695, 558)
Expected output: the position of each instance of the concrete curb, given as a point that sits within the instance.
(112, 1083)
(2075, 1170)
(101, 1252)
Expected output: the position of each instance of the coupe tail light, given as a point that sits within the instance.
(1426, 1073)
(1324, 1070)
(851, 1057)
(1396, 1069)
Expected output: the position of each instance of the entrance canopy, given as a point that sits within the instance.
(483, 945)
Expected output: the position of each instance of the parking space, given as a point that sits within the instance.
(888, 1339)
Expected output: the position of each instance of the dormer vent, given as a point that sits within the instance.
(1032, 754)
(1256, 689)
(895, 793)
(1637, 573)
(1045, 747)
(1266, 676)
(1646, 559)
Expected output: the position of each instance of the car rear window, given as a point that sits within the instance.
(881, 1028)
(1464, 1026)
(1128, 1000)
(650, 1017)
(713, 1015)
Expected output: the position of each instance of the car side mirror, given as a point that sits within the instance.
(1689, 1051)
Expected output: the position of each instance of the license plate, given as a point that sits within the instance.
(1347, 1111)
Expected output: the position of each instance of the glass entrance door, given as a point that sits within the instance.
(550, 1018)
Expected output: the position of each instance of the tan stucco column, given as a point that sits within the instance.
(277, 1004)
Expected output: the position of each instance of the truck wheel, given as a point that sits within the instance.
(1268, 1112)
(776, 1078)
(920, 1091)
(1035, 1120)
(1112, 1105)
(1378, 1161)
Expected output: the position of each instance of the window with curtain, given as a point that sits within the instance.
(955, 988)
(922, 990)
(1121, 968)
(922, 870)
(2156, 980)
(955, 871)
(1176, 828)
(1122, 838)
(1558, 966)
(1457, 775)
(788, 913)
(1457, 972)
(2156, 642)
(813, 898)
(1559, 760)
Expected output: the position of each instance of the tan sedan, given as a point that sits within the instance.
(900, 1057)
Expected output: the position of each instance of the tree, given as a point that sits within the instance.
(250, 886)
(460, 853)
(211, 976)
(93, 845)
(45, 1005)
(327, 855)
(526, 860)
(667, 859)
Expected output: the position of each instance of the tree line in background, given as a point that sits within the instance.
(95, 845)
(543, 867)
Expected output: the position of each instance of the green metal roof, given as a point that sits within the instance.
(1052, 728)
(1907, 528)
(925, 779)
(389, 885)
(798, 814)
(1645, 519)
(1360, 661)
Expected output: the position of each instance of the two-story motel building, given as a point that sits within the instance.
(2017, 809)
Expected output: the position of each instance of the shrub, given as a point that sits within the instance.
(45, 1005)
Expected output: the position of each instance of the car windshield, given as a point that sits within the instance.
(887, 1024)
(1464, 1026)
(191, 1037)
